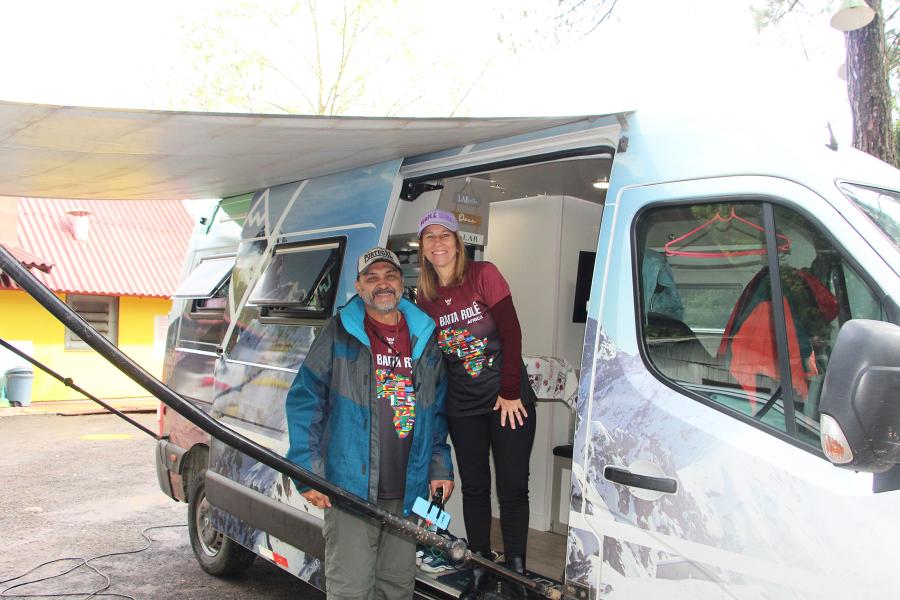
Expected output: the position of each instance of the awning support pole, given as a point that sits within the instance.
(67, 381)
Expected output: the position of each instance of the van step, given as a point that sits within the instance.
(448, 586)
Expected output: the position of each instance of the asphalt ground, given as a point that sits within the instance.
(82, 486)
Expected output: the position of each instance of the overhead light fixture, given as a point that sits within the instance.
(413, 244)
(601, 183)
(853, 15)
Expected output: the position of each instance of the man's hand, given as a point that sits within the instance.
(447, 486)
(321, 500)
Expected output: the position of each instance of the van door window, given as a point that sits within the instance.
(300, 281)
(205, 289)
(206, 278)
(880, 205)
(822, 291)
(700, 266)
(202, 322)
(708, 316)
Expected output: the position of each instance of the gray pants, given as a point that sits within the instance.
(364, 561)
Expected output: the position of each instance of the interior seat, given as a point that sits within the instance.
(676, 351)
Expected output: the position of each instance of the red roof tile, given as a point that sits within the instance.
(133, 248)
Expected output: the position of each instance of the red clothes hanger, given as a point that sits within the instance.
(670, 251)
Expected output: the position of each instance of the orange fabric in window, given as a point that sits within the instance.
(753, 350)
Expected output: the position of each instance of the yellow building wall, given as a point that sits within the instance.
(23, 319)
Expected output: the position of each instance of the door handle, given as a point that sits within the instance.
(621, 475)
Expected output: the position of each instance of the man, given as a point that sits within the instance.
(366, 411)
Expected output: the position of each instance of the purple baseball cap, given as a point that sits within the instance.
(438, 217)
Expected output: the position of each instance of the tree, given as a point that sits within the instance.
(562, 21)
(583, 16)
(293, 57)
(868, 88)
(316, 57)
(872, 66)
(872, 63)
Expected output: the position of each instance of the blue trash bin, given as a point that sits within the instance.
(18, 386)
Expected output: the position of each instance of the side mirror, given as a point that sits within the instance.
(860, 402)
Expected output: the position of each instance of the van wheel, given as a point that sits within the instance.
(217, 554)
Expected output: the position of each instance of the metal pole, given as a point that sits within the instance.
(456, 550)
(68, 382)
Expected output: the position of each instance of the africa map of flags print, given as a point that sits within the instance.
(461, 343)
(398, 389)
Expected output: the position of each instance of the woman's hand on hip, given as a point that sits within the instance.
(513, 410)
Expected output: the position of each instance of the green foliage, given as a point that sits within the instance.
(314, 57)
(774, 11)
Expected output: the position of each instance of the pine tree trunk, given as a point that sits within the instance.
(868, 91)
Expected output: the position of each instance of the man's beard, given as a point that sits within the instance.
(381, 306)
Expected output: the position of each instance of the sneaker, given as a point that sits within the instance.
(434, 561)
(420, 554)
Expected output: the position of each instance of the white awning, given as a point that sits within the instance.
(90, 153)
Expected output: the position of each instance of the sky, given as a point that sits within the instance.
(677, 53)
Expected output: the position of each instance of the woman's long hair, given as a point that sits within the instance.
(428, 277)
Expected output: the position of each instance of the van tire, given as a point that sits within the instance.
(218, 555)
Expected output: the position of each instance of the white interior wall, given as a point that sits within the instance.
(581, 227)
(535, 243)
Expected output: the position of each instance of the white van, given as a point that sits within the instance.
(679, 450)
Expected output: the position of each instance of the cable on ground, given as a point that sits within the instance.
(82, 562)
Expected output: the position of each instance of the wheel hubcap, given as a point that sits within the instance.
(210, 539)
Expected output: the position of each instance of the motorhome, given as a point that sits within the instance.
(680, 284)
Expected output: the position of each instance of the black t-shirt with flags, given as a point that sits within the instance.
(396, 401)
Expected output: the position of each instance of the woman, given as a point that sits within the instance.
(489, 402)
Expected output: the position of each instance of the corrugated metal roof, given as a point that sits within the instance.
(30, 260)
(133, 248)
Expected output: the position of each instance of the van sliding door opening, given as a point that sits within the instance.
(535, 223)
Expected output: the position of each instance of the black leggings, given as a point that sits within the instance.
(473, 438)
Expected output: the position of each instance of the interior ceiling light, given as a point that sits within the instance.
(853, 15)
(601, 183)
(413, 244)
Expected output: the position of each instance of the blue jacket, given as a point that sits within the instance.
(331, 407)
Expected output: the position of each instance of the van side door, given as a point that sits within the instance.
(697, 460)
